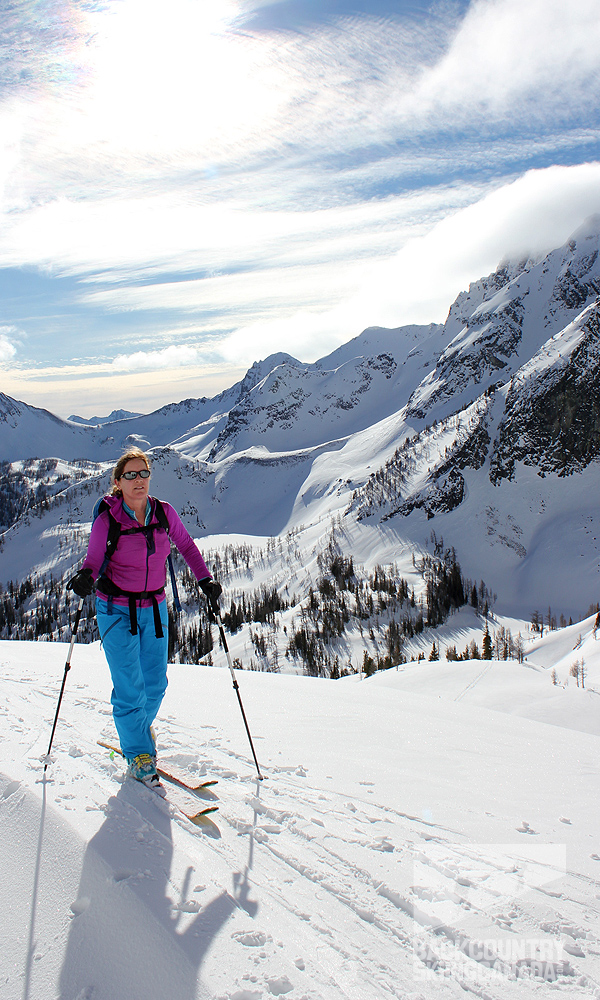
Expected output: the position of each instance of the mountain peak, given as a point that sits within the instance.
(95, 421)
(590, 229)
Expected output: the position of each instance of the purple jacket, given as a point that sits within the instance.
(132, 566)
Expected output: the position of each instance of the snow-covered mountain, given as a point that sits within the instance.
(485, 430)
(113, 415)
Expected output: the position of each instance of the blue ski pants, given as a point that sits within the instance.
(138, 667)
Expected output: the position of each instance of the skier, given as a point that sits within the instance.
(131, 609)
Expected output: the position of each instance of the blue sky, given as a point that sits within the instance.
(187, 188)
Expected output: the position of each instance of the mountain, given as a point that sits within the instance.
(523, 363)
(115, 415)
(505, 319)
(480, 435)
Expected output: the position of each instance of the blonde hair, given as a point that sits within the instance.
(119, 468)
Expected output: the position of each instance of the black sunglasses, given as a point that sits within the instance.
(143, 474)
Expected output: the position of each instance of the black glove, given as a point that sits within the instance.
(82, 583)
(213, 591)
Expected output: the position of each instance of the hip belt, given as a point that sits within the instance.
(110, 590)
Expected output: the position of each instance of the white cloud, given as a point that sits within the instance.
(165, 101)
(166, 231)
(146, 156)
(147, 91)
(175, 356)
(517, 57)
(533, 214)
(176, 144)
(9, 338)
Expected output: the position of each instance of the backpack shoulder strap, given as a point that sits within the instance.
(114, 532)
(99, 507)
(162, 519)
(161, 515)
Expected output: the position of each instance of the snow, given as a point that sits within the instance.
(525, 689)
(415, 821)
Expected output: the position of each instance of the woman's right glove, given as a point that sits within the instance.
(82, 583)
(213, 590)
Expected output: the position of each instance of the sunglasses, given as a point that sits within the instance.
(143, 474)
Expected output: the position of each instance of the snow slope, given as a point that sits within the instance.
(541, 688)
(403, 841)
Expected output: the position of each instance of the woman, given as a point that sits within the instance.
(131, 609)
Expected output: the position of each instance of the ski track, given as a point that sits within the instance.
(475, 681)
(287, 817)
(396, 884)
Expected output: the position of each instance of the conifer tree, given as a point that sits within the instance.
(487, 645)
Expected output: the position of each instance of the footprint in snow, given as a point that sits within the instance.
(80, 905)
(382, 844)
(251, 939)
(279, 986)
(12, 787)
(525, 828)
(572, 947)
(190, 907)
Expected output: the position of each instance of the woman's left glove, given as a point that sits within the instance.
(212, 589)
(82, 583)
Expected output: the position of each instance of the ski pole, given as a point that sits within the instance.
(64, 680)
(215, 610)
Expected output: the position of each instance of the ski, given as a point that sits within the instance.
(172, 773)
(196, 816)
(177, 775)
(179, 799)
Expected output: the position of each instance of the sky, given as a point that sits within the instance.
(188, 188)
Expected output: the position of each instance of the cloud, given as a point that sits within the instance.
(177, 102)
(242, 253)
(178, 140)
(9, 338)
(533, 214)
(290, 187)
(529, 58)
(175, 356)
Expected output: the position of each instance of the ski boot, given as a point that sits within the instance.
(143, 768)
